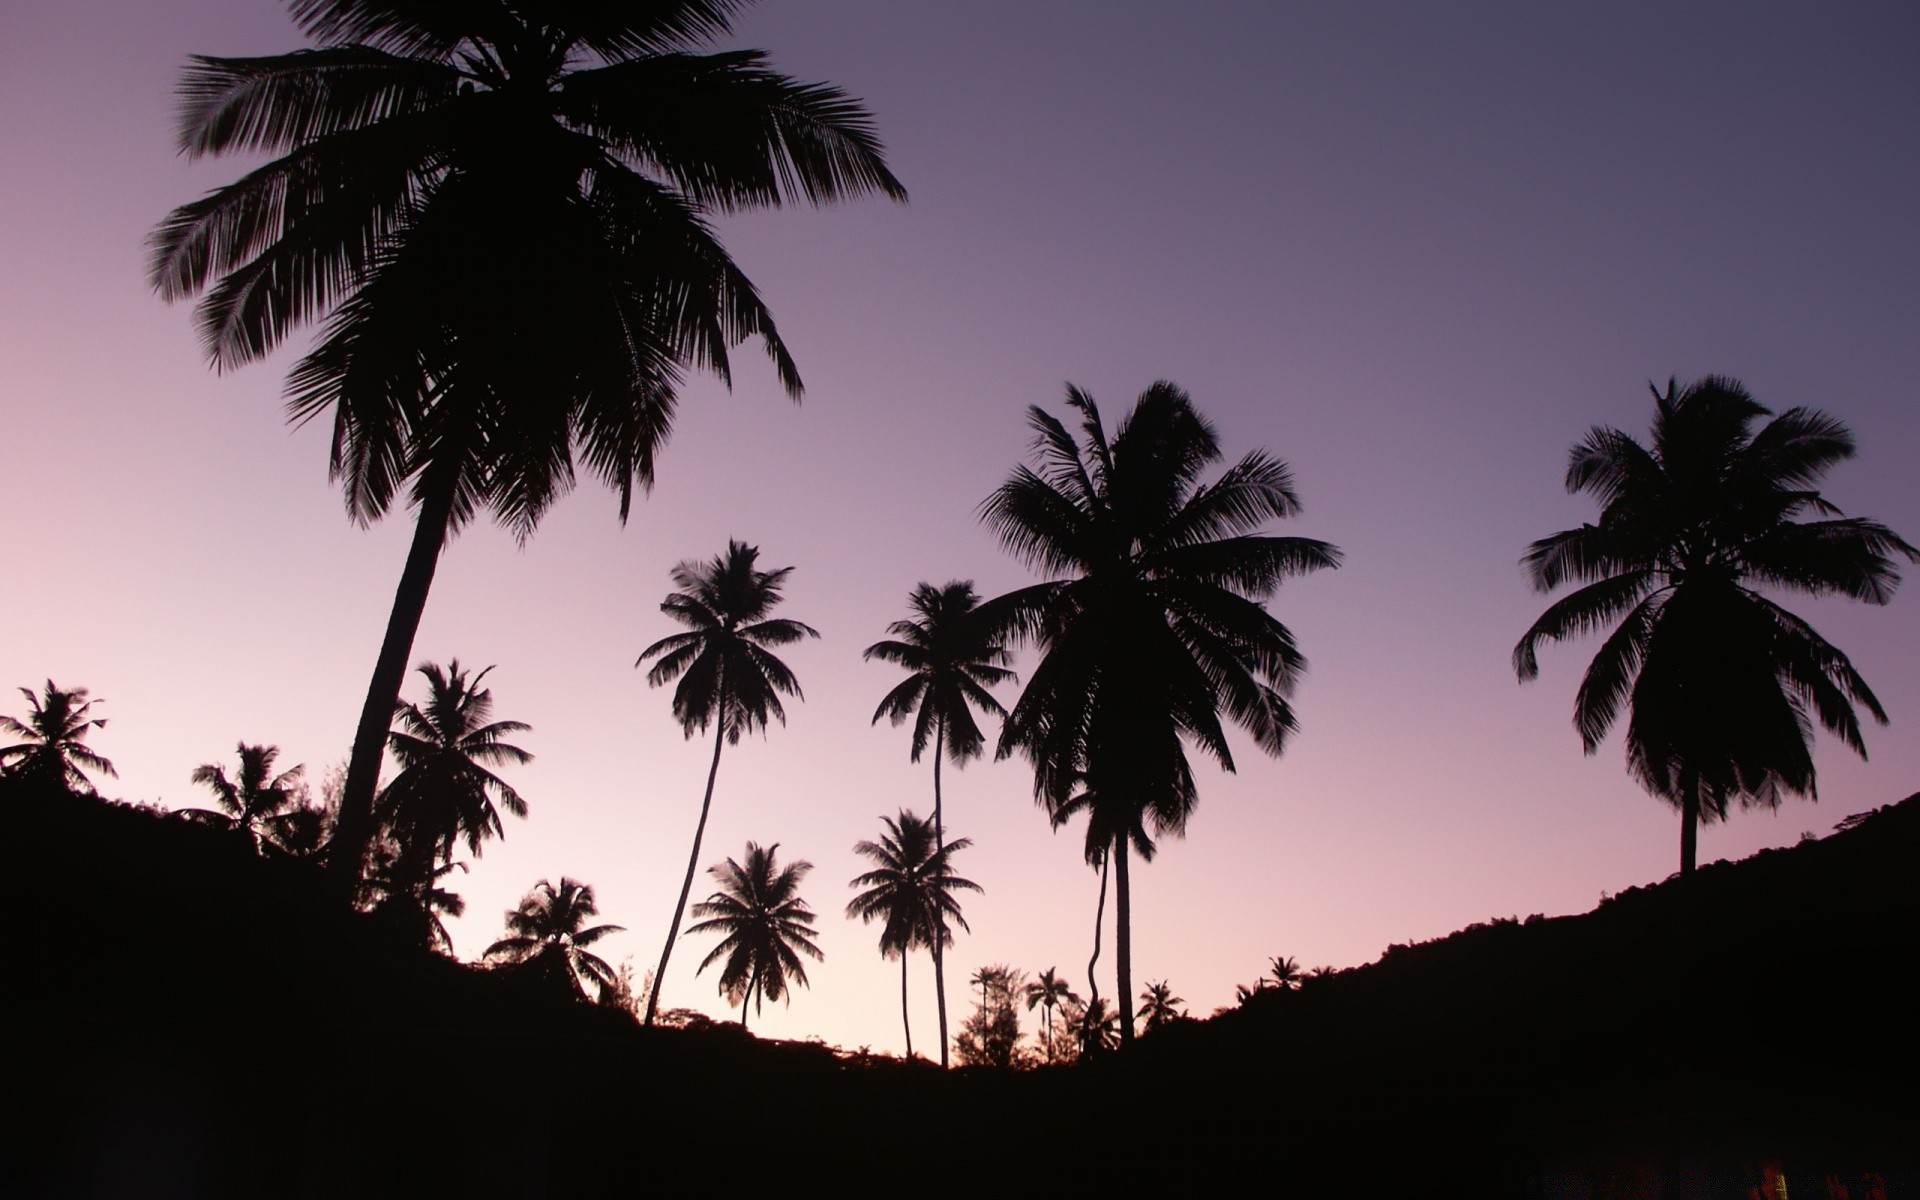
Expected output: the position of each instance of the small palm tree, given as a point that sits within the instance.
(398, 900)
(1283, 972)
(257, 802)
(1048, 993)
(54, 748)
(728, 677)
(766, 926)
(1722, 686)
(1099, 1027)
(445, 791)
(910, 890)
(952, 658)
(1158, 1005)
(549, 929)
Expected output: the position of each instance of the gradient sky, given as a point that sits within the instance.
(1415, 250)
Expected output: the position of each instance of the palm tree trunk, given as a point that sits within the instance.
(1689, 820)
(904, 1022)
(1099, 916)
(353, 825)
(1123, 938)
(699, 831)
(746, 1001)
(939, 955)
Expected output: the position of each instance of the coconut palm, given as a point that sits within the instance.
(910, 891)
(951, 659)
(396, 898)
(1158, 1005)
(728, 677)
(501, 212)
(1048, 993)
(550, 928)
(1283, 972)
(445, 792)
(766, 926)
(1153, 624)
(54, 750)
(257, 802)
(1722, 685)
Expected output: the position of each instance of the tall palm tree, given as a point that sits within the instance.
(445, 791)
(1048, 993)
(766, 923)
(951, 659)
(1722, 685)
(550, 927)
(910, 890)
(1158, 1005)
(1154, 623)
(728, 676)
(256, 802)
(500, 211)
(54, 746)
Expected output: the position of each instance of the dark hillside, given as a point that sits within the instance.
(181, 1018)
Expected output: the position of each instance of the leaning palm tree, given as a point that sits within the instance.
(500, 210)
(1722, 685)
(910, 891)
(1048, 993)
(766, 926)
(549, 928)
(1158, 1005)
(728, 677)
(256, 802)
(445, 791)
(54, 746)
(951, 659)
(1154, 621)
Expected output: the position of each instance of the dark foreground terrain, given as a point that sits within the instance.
(181, 1019)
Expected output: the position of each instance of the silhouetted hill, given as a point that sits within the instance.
(181, 1018)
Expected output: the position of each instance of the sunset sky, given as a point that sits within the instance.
(1414, 250)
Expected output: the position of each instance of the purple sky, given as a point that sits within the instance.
(1414, 250)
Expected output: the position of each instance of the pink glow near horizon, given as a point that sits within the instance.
(1415, 253)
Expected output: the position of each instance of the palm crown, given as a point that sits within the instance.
(445, 790)
(910, 890)
(1155, 624)
(551, 924)
(952, 659)
(1723, 685)
(253, 799)
(54, 748)
(765, 923)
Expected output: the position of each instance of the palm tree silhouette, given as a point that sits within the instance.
(1158, 1005)
(1049, 992)
(1722, 685)
(445, 791)
(54, 750)
(1155, 623)
(728, 677)
(767, 927)
(501, 212)
(549, 929)
(910, 890)
(1283, 971)
(257, 801)
(951, 659)
(400, 901)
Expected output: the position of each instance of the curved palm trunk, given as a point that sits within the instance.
(904, 1022)
(746, 1001)
(353, 827)
(693, 860)
(939, 951)
(1123, 938)
(1099, 916)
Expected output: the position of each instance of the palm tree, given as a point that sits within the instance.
(1722, 685)
(501, 212)
(257, 802)
(951, 659)
(1283, 972)
(1154, 623)
(445, 791)
(549, 927)
(767, 927)
(910, 890)
(416, 912)
(1158, 1005)
(728, 677)
(54, 748)
(1049, 992)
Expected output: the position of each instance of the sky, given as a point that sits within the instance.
(1414, 250)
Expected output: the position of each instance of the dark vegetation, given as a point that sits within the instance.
(185, 1017)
